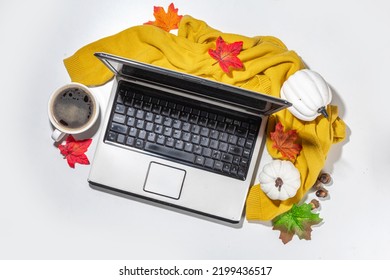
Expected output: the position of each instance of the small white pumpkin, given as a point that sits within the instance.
(280, 179)
(309, 94)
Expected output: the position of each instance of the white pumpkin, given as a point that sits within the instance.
(309, 94)
(280, 179)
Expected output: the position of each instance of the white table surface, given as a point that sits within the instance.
(48, 211)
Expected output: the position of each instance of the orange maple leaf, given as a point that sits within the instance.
(226, 55)
(284, 142)
(166, 20)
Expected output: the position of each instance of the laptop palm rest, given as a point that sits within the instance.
(164, 180)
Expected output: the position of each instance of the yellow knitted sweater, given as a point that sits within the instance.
(267, 64)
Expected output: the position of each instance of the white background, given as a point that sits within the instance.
(48, 211)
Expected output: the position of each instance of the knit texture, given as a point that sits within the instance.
(267, 64)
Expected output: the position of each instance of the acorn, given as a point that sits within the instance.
(317, 184)
(322, 193)
(314, 203)
(325, 178)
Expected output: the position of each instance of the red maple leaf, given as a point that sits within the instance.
(166, 20)
(74, 151)
(284, 142)
(226, 54)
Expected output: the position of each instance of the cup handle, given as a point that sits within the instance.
(57, 135)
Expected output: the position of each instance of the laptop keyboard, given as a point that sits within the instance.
(183, 130)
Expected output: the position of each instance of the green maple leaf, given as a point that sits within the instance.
(298, 220)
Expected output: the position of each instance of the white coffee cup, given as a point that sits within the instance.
(72, 109)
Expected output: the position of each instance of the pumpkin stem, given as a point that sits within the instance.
(323, 111)
(279, 183)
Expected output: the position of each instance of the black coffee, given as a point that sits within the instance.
(73, 108)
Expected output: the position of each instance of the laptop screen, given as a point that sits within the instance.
(249, 100)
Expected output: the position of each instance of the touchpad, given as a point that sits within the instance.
(164, 180)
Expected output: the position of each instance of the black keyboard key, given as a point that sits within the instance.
(198, 149)
(223, 136)
(169, 142)
(249, 144)
(241, 132)
(158, 119)
(167, 121)
(230, 129)
(131, 112)
(133, 132)
(204, 141)
(232, 139)
(186, 127)
(202, 121)
(119, 108)
(199, 160)
(176, 124)
(160, 139)
(130, 141)
(142, 134)
(140, 124)
(214, 134)
(234, 170)
(149, 117)
(195, 139)
(184, 116)
(167, 131)
(195, 129)
(121, 138)
(140, 114)
(111, 136)
(188, 147)
(209, 163)
(119, 118)
(246, 153)
(158, 129)
(216, 155)
(137, 104)
(236, 160)
(226, 168)
(218, 165)
(139, 144)
(214, 144)
(120, 128)
(235, 150)
(166, 111)
(149, 126)
(204, 131)
(193, 118)
(223, 146)
(241, 142)
(151, 137)
(179, 145)
(212, 124)
(177, 134)
(186, 136)
(131, 121)
(227, 157)
(169, 152)
(206, 152)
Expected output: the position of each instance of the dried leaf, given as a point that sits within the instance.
(166, 20)
(284, 142)
(226, 55)
(74, 151)
(298, 220)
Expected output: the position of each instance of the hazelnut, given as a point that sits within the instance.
(325, 178)
(322, 193)
(314, 203)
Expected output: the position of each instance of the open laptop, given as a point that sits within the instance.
(180, 140)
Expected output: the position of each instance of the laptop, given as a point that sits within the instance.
(179, 140)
